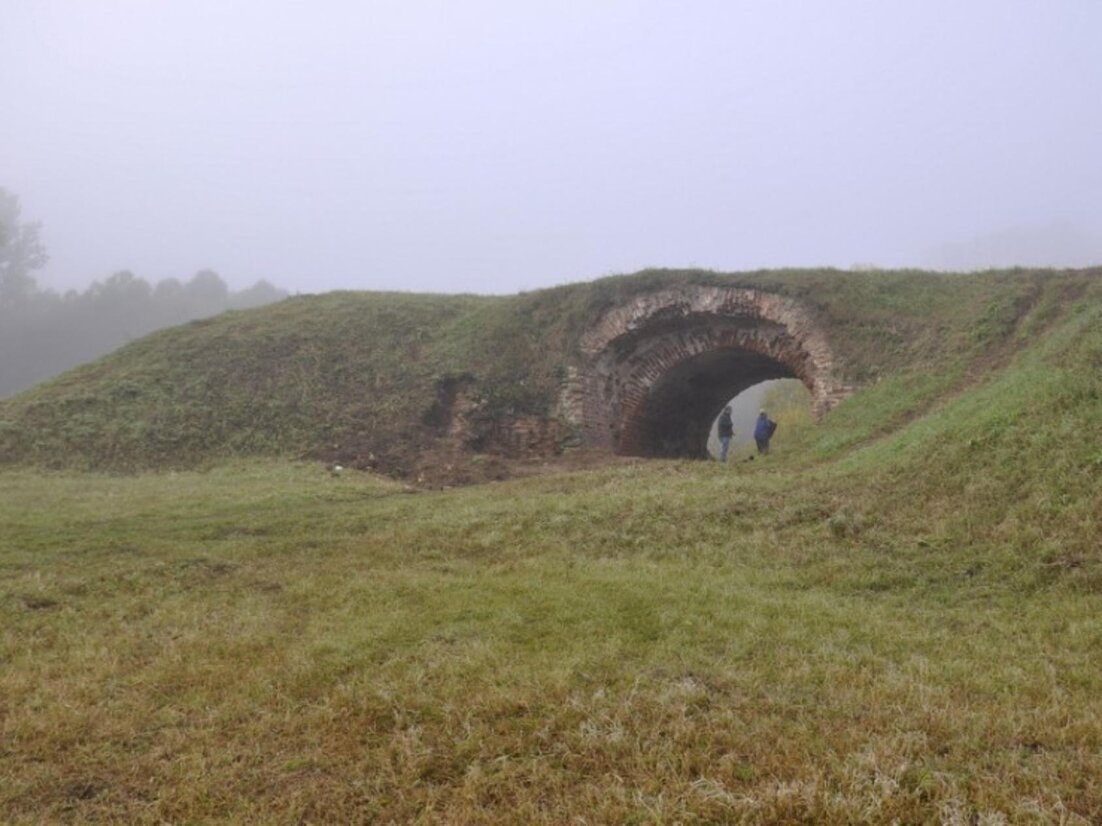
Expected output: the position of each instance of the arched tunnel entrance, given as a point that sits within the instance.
(661, 366)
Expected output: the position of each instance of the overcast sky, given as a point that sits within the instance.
(498, 145)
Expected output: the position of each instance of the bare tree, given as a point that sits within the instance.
(21, 252)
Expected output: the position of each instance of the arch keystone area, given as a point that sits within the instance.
(659, 368)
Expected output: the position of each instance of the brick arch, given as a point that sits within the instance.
(660, 367)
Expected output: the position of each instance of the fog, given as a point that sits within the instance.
(499, 146)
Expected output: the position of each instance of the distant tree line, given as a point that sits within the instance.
(43, 333)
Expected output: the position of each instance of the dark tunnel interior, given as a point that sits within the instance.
(676, 416)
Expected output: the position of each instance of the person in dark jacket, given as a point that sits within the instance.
(725, 429)
(763, 432)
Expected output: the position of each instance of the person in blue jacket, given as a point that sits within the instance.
(725, 429)
(763, 432)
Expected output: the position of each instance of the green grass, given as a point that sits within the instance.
(906, 630)
(895, 617)
(674, 641)
(349, 375)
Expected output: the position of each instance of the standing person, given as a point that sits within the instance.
(725, 429)
(763, 432)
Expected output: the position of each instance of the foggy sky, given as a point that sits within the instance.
(472, 145)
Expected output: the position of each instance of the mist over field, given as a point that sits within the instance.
(491, 146)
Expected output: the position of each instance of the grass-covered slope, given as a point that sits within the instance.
(354, 375)
(894, 618)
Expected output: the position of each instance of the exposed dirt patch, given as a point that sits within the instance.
(452, 394)
(39, 603)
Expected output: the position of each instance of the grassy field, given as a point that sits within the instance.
(909, 629)
(895, 617)
(654, 643)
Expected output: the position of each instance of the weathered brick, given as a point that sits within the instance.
(658, 368)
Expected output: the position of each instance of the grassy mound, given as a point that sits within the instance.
(896, 617)
(357, 377)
